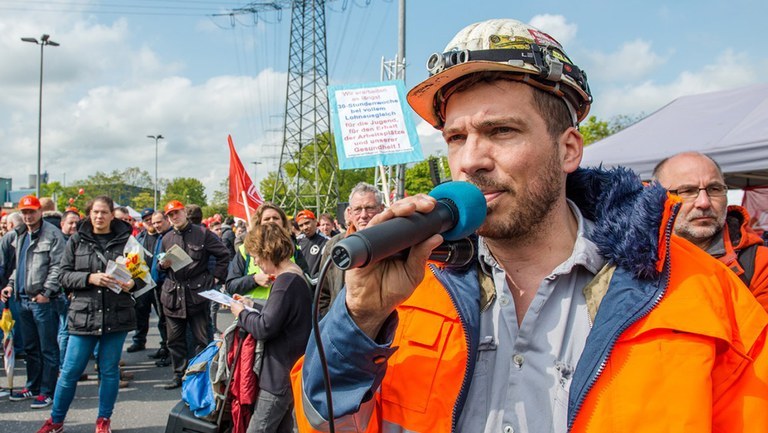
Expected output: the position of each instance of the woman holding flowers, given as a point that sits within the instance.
(101, 311)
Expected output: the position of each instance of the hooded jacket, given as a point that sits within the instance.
(676, 343)
(96, 310)
(737, 236)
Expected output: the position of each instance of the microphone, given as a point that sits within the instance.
(459, 211)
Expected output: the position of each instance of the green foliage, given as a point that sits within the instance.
(418, 179)
(306, 180)
(349, 178)
(594, 130)
(221, 195)
(187, 190)
(213, 209)
(142, 200)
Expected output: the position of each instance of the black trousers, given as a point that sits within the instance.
(198, 322)
(144, 305)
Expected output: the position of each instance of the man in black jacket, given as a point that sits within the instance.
(182, 304)
(148, 239)
(228, 236)
(312, 243)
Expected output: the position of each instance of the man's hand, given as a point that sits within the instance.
(41, 299)
(6, 293)
(164, 264)
(262, 279)
(374, 291)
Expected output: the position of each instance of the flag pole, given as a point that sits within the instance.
(384, 184)
(247, 208)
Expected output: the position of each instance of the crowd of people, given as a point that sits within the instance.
(69, 309)
(595, 302)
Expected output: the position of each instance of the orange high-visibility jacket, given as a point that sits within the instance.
(738, 236)
(677, 343)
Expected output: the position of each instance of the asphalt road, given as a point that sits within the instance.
(142, 407)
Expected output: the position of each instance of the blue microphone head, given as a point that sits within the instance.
(471, 205)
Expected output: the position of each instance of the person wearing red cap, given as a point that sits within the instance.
(35, 283)
(311, 243)
(182, 305)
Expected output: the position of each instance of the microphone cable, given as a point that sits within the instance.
(451, 253)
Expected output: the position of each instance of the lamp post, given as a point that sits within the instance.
(44, 40)
(156, 138)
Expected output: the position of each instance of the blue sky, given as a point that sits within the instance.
(129, 68)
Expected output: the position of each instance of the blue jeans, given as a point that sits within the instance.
(79, 351)
(63, 336)
(40, 326)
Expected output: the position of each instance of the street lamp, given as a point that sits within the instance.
(155, 137)
(44, 40)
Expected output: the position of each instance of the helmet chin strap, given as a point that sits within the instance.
(571, 110)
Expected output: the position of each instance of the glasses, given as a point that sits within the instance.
(368, 209)
(689, 193)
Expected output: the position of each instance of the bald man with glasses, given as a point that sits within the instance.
(706, 220)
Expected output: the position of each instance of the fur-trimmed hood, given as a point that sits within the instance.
(628, 216)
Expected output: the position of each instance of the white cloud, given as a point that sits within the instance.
(730, 69)
(633, 61)
(556, 26)
(103, 94)
(430, 138)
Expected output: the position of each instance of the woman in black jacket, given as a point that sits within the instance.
(283, 325)
(101, 311)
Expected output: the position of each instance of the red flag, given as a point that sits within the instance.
(240, 182)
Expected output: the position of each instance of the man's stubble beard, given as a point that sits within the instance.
(531, 204)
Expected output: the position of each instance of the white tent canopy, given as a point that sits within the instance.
(730, 126)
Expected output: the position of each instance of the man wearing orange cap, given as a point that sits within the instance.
(312, 242)
(35, 283)
(182, 305)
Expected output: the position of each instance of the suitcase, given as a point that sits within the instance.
(182, 420)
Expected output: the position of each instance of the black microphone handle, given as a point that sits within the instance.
(376, 243)
(458, 253)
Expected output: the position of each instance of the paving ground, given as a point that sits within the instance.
(141, 408)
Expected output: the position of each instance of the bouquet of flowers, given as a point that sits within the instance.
(134, 261)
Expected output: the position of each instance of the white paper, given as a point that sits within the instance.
(178, 257)
(221, 298)
(119, 272)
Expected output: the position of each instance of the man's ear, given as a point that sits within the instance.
(571, 145)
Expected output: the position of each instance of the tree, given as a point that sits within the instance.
(418, 178)
(220, 200)
(143, 200)
(187, 190)
(594, 130)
